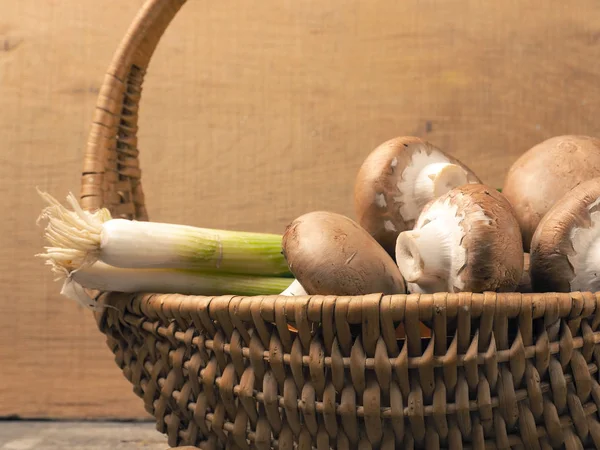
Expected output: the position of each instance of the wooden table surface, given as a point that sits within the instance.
(51, 435)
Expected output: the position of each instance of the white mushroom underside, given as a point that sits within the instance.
(436, 238)
(295, 288)
(417, 185)
(586, 259)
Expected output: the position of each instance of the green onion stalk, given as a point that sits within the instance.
(95, 251)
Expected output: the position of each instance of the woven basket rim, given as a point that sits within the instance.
(441, 306)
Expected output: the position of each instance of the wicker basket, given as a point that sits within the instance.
(520, 371)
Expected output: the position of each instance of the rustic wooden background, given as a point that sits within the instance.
(254, 113)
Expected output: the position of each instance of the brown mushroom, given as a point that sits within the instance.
(545, 173)
(466, 240)
(330, 254)
(565, 249)
(395, 182)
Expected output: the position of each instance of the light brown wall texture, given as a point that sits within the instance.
(254, 113)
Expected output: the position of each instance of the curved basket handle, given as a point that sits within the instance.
(111, 173)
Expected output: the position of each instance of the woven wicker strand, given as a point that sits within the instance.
(226, 372)
(499, 371)
(111, 173)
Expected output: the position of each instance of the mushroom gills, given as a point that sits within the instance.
(397, 180)
(585, 259)
(423, 256)
(437, 179)
(428, 176)
(465, 240)
(430, 256)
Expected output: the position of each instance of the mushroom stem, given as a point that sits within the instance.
(586, 260)
(424, 255)
(435, 179)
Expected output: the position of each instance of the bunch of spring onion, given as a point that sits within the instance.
(93, 251)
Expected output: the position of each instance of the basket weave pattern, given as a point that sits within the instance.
(499, 371)
(227, 371)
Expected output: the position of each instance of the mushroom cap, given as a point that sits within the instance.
(494, 247)
(330, 254)
(546, 172)
(489, 251)
(378, 201)
(567, 227)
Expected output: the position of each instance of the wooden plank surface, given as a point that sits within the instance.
(254, 113)
(52, 435)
